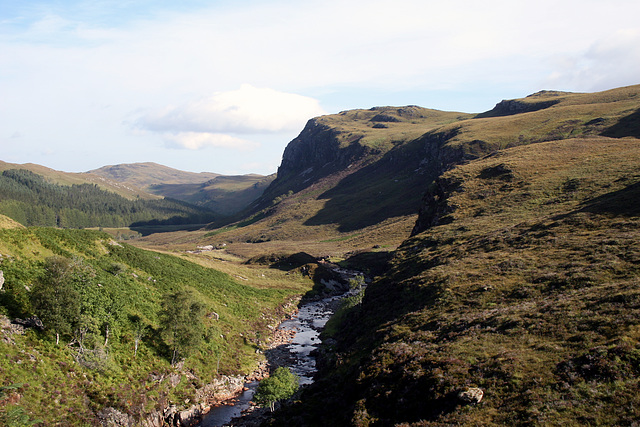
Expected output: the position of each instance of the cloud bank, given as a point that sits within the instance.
(217, 119)
(143, 78)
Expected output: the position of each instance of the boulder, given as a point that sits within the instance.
(31, 322)
(471, 395)
(112, 417)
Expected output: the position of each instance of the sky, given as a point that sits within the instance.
(223, 86)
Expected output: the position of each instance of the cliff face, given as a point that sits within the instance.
(314, 154)
(364, 166)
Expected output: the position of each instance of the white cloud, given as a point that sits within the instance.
(248, 110)
(198, 140)
(609, 62)
(61, 62)
(215, 121)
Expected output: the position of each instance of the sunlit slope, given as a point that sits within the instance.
(121, 291)
(144, 175)
(6, 222)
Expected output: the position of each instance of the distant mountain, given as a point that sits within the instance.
(222, 194)
(70, 178)
(145, 175)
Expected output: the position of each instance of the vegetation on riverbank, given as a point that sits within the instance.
(114, 350)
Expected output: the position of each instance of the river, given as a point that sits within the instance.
(297, 355)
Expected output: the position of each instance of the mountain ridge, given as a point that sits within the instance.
(223, 194)
(503, 249)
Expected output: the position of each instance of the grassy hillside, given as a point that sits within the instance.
(91, 369)
(348, 175)
(522, 280)
(144, 175)
(6, 222)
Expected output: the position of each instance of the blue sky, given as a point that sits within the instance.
(223, 86)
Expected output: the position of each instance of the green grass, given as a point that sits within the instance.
(60, 390)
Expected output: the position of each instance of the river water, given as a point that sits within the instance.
(307, 324)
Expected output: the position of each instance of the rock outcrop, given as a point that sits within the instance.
(471, 395)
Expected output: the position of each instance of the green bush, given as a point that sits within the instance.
(282, 384)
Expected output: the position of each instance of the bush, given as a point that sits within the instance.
(282, 384)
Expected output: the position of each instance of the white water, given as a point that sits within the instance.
(308, 324)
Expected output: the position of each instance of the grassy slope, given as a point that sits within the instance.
(55, 388)
(143, 175)
(382, 189)
(6, 222)
(527, 288)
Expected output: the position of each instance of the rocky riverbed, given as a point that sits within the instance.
(292, 345)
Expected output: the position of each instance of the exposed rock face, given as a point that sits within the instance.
(221, 389)
(316, 152)
(435, 206)
(111, 417)
(31, 322)
(508, 107)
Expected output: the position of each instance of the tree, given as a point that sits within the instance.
(282, 384)
(54, 298)
(181, 323)
(139, 330)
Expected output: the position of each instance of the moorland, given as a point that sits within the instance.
(502, 251)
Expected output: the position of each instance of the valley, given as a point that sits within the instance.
(503, 251)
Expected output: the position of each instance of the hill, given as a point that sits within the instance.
(222, 194)
(505, 252)
(357, 177)
(68, 178)
(30, 199)
(515, 300)
(144, 175)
